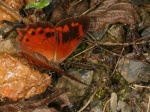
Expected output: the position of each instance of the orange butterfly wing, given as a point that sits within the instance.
(42, 42)
(69, 34)
(34, 39)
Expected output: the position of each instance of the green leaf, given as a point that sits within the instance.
(38, 5)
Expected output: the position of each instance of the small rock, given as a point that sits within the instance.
(117, 33)
(97, 108)
(113, 102)
(123, 107)
(7, 46)
(19, 80)
(76, 91)
(134, 71)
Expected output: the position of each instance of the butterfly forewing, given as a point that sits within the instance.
(38, 38)
(69, 34)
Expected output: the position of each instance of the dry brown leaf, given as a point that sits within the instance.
(111, 12)
(68, 9)
(104, 4)
(10, 10)
(39, 104)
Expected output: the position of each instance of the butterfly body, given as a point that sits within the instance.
(47, 45)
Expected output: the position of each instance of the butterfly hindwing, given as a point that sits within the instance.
(69, 34)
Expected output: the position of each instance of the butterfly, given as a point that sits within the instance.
(47, 45)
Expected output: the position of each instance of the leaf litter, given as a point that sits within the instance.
(114, 47)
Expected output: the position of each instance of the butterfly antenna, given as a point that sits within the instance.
(63, 73)
(71, 77)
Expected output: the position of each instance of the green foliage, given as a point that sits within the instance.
(38, 5)
(100, 93)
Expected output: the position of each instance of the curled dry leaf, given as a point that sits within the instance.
(103, 3)
(10, 9)
(19, 80)
(5, 15)
(27, 1)
(41, 103)
(14, 8)
(78, 8)
(68, 9)
(112, 11)
(15, 5)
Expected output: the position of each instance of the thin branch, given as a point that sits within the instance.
(113, 53)
(127, 44)
(88, 102)
(76, 2)
(83, 51)
(139, 86)
(148, 107)
(105, 105)
(122, 44)
(116, 64)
